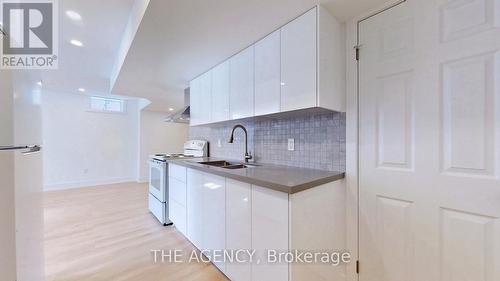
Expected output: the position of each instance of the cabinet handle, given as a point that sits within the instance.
(28, 149)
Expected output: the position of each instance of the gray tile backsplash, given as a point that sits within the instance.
(319, 139)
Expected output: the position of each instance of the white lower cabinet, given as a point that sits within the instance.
(214, 212)
(177, 214)
(238, 227)
(177, 191)
(177, 197)
(195, 207)
(225, 214)
(177, 172)
(256, 218)
(269, 232)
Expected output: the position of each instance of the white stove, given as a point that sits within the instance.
(192, 149)
(158, 176)
(165, 157)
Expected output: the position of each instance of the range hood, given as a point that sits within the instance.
(182, 115)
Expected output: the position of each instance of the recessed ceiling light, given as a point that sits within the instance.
(74, 15)
(39, 83)
(171, 109)
(81, 90)
(76, 42)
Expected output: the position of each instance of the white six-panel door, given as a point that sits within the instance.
(430, 142)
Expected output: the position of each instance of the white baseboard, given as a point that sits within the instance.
(143, 180)
(71, 185)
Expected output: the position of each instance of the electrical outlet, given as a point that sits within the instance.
(291, 144)
(219, 143)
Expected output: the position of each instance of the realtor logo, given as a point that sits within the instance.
(30, 39)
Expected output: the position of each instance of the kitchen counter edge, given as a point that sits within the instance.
(333, 176)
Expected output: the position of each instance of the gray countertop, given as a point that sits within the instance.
(281, 178)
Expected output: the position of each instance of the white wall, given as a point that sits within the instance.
(83, 148)
(158, 136)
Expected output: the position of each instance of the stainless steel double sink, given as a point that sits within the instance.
(228, 165)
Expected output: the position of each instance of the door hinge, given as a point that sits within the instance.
(357, 48)
(357, 267)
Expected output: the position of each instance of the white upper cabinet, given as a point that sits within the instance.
(242, 84)
(201, 99)
(267, 75)
(194, 99)
(298, 63)
(220, 92)
(205, 98)
(300, 66)
(331, 62)
(313, 62)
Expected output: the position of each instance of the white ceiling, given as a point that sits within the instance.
(101, 31)
(178, 40)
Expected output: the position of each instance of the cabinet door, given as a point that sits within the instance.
(267, 75)
(299, 63)
(241, 81)
(205, 98)
(214, 214)
(269, 232)
(238, 226)
(220, 92)
(177, 172)
(177, 214)
(194, 99)
(177, 191)
(195, 207)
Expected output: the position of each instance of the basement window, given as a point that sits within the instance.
(109, 105)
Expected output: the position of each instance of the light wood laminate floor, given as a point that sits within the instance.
(107, 233)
